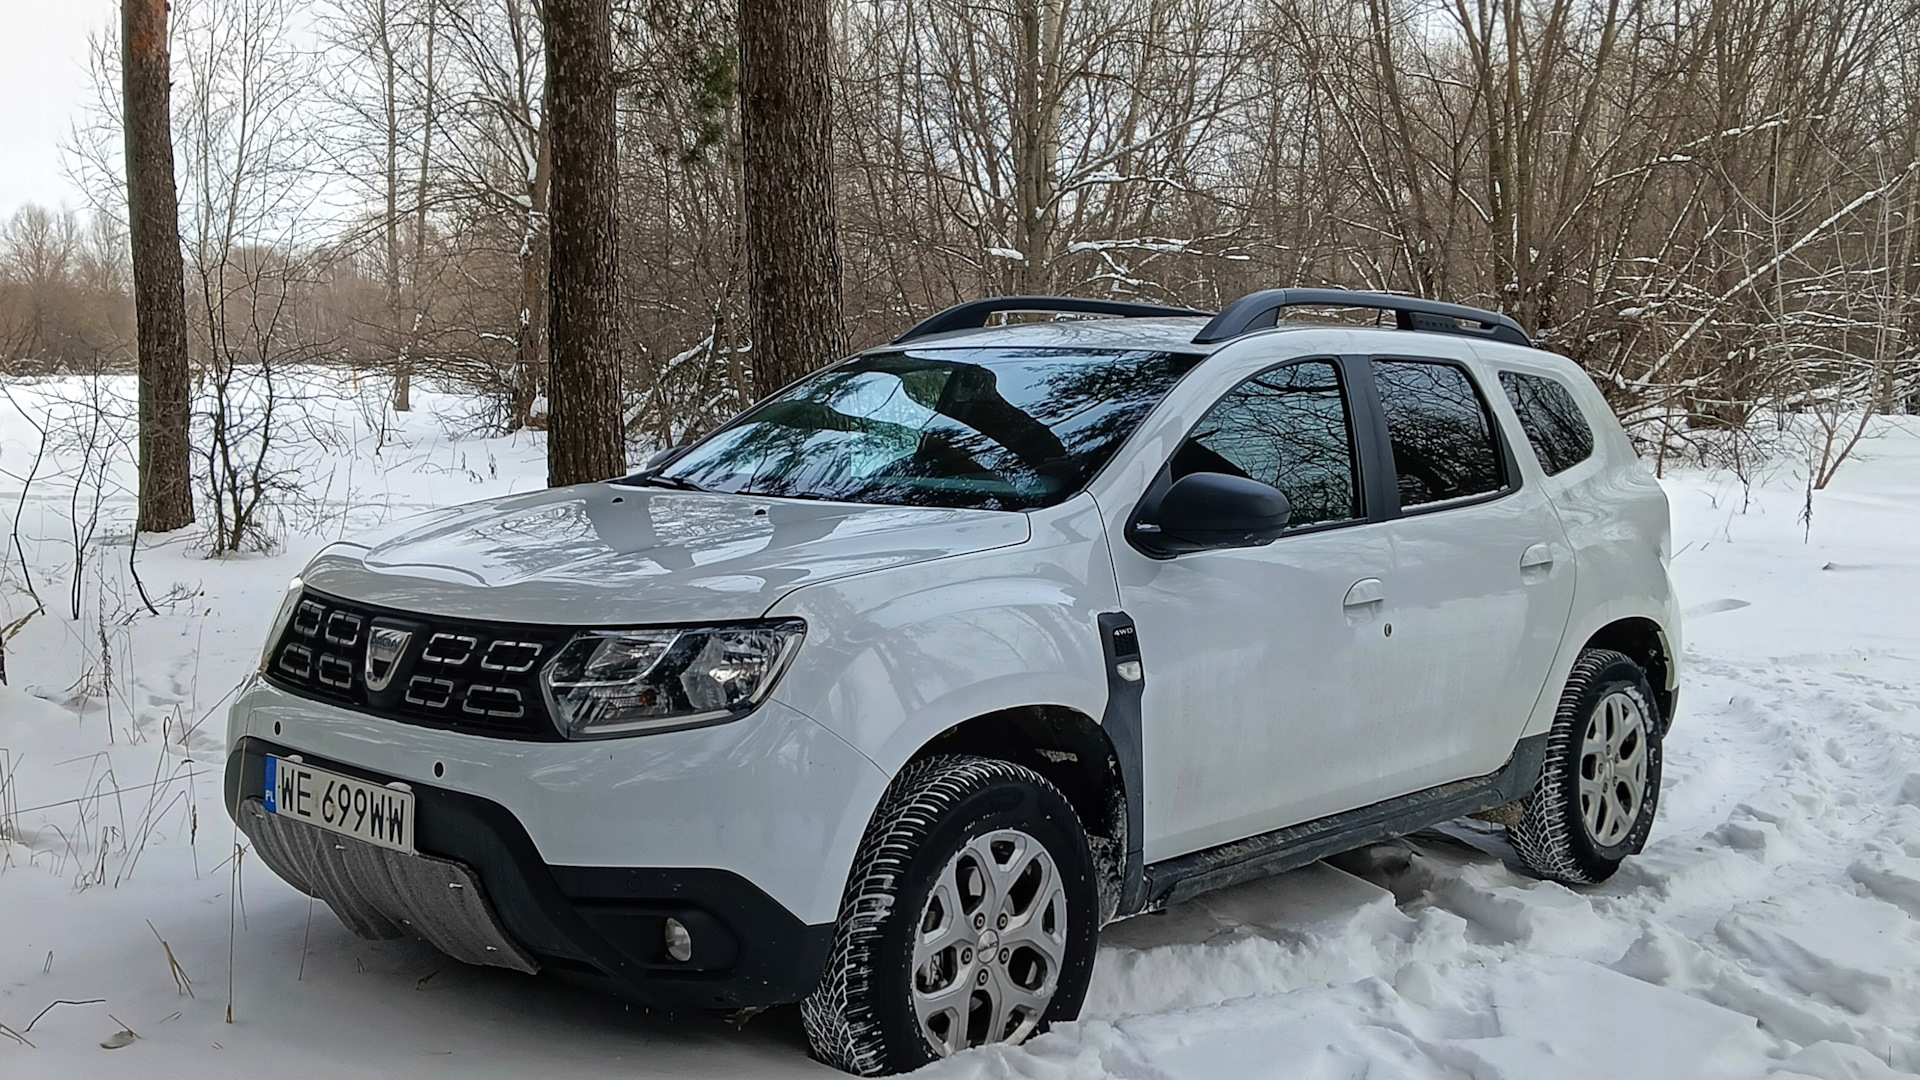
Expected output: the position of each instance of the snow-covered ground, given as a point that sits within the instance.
(1771, 928)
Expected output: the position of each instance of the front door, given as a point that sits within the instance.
(1264, 664)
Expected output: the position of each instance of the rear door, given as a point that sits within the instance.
(1483, 576)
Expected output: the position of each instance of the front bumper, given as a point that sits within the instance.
(481, 892)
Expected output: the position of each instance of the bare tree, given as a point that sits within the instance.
(793, 254)
(159, 282)
(587, 432)
(251, 159)
(1708, 203)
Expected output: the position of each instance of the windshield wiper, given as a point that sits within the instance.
(810, 496)
(659, 480)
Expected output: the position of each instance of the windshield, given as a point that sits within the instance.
(993, 429)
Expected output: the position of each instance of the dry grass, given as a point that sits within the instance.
(181, 983)
(9, 808)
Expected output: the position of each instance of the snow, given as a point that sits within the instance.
(1771, 929)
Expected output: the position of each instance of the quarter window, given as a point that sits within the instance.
(1553, 422)
(1443, 445)
(1287, 427)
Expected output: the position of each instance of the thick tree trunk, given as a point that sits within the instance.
(586, 437)
(786, 127)
(1036, 141)
(159, 283)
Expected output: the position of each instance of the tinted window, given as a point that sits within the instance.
(1287, 427)
(995, 429)
(1552, 420)
(1443, 444)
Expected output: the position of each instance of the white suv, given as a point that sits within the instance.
(884, 697)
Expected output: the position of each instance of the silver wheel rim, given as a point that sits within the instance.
(989, 946)
(1613, 768)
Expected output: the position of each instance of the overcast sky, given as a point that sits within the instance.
(43, 82)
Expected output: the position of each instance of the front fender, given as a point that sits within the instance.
(894, 657)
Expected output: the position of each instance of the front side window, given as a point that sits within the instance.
(984, 428)
(1443, 446)
(1553, 421)
(1289, 428)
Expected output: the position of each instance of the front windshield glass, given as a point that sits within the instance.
(994, 429)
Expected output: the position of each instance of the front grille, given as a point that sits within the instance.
(480, 678)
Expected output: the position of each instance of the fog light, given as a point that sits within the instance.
(679, 942)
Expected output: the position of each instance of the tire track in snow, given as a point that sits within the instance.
(1782, 808)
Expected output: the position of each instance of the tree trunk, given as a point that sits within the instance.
(390, 114)
(786, 129)
(417, 307)
(1036, 141)
(586, 437)
(159, 282)
(529, 381)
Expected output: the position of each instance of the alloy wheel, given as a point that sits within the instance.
(1613, 768)
(990, 943)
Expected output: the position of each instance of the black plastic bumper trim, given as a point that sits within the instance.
(604, 923)
(1174, 880)
(1120, 642)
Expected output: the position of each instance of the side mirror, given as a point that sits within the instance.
(662, 457)
(1206, 511)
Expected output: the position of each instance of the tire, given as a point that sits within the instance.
(1570, 830)
(908, 943)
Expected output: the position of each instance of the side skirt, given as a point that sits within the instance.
(1184, 877)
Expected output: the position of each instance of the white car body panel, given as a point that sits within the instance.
(1270, 710)
(624, 555)
(1615, 518)
(894, 658)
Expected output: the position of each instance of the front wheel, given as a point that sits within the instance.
(969, 919)
(1595, 800)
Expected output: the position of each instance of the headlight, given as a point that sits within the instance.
(624, 682)
(287, 604)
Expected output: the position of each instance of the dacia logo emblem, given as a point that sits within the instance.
(385, 646)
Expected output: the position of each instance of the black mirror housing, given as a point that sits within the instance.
(1206, 511)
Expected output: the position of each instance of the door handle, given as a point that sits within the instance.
(1364, 592)
(1537, 557)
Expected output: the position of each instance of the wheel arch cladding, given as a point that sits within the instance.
(1645, 643)
(1075, 755)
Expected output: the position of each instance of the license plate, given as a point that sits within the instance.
(375, 813)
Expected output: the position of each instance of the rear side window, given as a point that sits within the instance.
(1553, 421)
(1443, 445)
(1287, 427)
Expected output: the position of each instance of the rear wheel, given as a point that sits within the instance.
(969, 919)
(1600, 786)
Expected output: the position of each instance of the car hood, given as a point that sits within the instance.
(609, 554)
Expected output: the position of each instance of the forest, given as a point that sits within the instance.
(1709, 204)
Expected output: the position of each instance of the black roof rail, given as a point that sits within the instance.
(974, 314)
(1258, 311)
